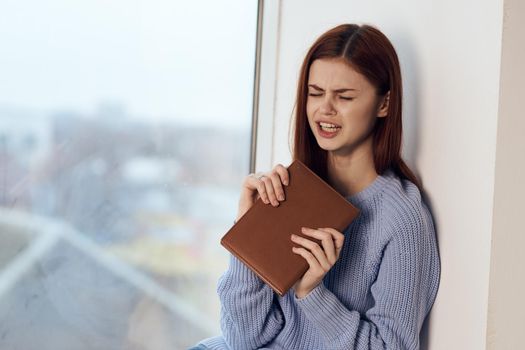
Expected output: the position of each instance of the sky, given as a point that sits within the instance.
(189, 61)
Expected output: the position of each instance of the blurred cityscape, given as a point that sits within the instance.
(110, 228)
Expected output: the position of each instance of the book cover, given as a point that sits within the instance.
(261, 237)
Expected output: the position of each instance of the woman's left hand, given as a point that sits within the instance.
(320, 259)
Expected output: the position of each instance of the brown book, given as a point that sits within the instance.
(261, 237)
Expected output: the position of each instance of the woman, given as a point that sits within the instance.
(371, 286)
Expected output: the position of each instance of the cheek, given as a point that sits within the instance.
(310, 110)
(358, 120)
(356, 112)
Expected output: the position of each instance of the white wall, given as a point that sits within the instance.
(450, 53)
(507, 275)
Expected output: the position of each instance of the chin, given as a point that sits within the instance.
(328, 146)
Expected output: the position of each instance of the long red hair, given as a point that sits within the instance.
(369, 52)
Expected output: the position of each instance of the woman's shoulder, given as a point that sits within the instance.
(402, 204)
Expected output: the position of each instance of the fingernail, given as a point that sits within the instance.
(292, 236)
(281, 197)
(303, 229)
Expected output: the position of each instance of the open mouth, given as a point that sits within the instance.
(328, 130)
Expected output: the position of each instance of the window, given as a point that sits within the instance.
(124, 136)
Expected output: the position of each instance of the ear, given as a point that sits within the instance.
(383, 107)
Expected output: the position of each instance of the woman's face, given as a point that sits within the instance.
(339, 95)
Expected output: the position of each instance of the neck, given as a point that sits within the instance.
(352, 172)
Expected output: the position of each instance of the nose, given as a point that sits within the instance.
(327, 106)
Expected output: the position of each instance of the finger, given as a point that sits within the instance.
(338, 238)
(283, 174)
(315, 267)
(259, 186)
(315, 249)
(277, 185)
(268, 181)
(327, 241)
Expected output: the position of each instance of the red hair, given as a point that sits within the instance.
(369, 52)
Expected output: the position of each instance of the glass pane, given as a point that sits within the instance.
(124, 138)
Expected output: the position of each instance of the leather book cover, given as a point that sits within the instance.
(261, 237)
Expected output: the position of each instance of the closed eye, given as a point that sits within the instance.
(341, 97)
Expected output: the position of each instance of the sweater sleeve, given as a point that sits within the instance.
(250, 315)
(403, 293)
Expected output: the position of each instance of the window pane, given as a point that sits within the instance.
(124, 138)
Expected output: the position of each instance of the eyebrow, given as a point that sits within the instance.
(338, 90)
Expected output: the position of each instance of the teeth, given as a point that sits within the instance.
(327, 125)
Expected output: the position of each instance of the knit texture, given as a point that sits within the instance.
(376, 296)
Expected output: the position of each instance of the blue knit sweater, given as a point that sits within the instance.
(376, 296)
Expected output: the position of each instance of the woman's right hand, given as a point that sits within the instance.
(267, 186)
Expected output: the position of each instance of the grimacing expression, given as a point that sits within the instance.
(339, 95)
